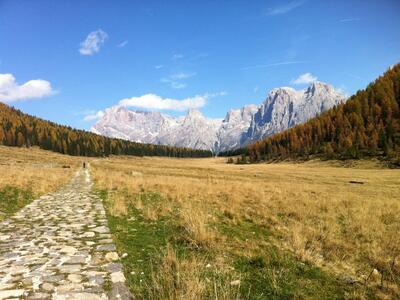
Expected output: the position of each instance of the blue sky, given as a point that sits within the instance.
(171, 55)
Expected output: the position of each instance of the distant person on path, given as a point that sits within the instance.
(84, 165)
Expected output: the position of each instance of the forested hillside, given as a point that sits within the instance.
(22, 130)
(368, 124)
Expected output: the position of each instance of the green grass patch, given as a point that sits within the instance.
(146, 241)
(141, 239)
(267, 272)
(242, 229)
(275, 274)
(263, 271)
(13, 199)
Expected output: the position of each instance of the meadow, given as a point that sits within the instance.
(29, 173)
(205, 229)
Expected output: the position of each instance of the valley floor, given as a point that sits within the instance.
(204, 229)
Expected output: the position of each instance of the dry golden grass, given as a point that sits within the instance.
(195, 220)
(311, 208)
(34, 169)
(177, 279)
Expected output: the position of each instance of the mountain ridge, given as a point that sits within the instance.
(283, 108)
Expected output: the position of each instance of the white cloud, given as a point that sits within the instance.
(11, 91)
(93, 42)
(158, 67)
(285, 8)
(94, 116)
(122, 44)
(174, 80)
(154, 102)
(304, 79)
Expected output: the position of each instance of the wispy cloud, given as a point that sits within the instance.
(182, 75)
(94, 115)
(349, 20)
(355, 76)
(175, 80)
(155, 102)
(158, 67)
(282, 63)
(84, 112)
(213, 95)
(343, 90)
(285, 8)
(178, 85)
(11, 91)
(197, 58)
(122, 44)
(93, 42)
(177, 56)
(304, 79)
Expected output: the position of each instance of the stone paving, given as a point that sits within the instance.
(60, 247)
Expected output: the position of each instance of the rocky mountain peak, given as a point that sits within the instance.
(319, 87)
(240, 113)
(283, 108)
(194, 113)
(281, 92)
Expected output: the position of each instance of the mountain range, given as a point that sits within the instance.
(283, 108)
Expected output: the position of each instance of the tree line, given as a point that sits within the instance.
(22, 130)
(368, 124)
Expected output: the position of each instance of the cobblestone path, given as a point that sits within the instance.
(60, 247)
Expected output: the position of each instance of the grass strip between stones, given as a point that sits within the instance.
(13, 199)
